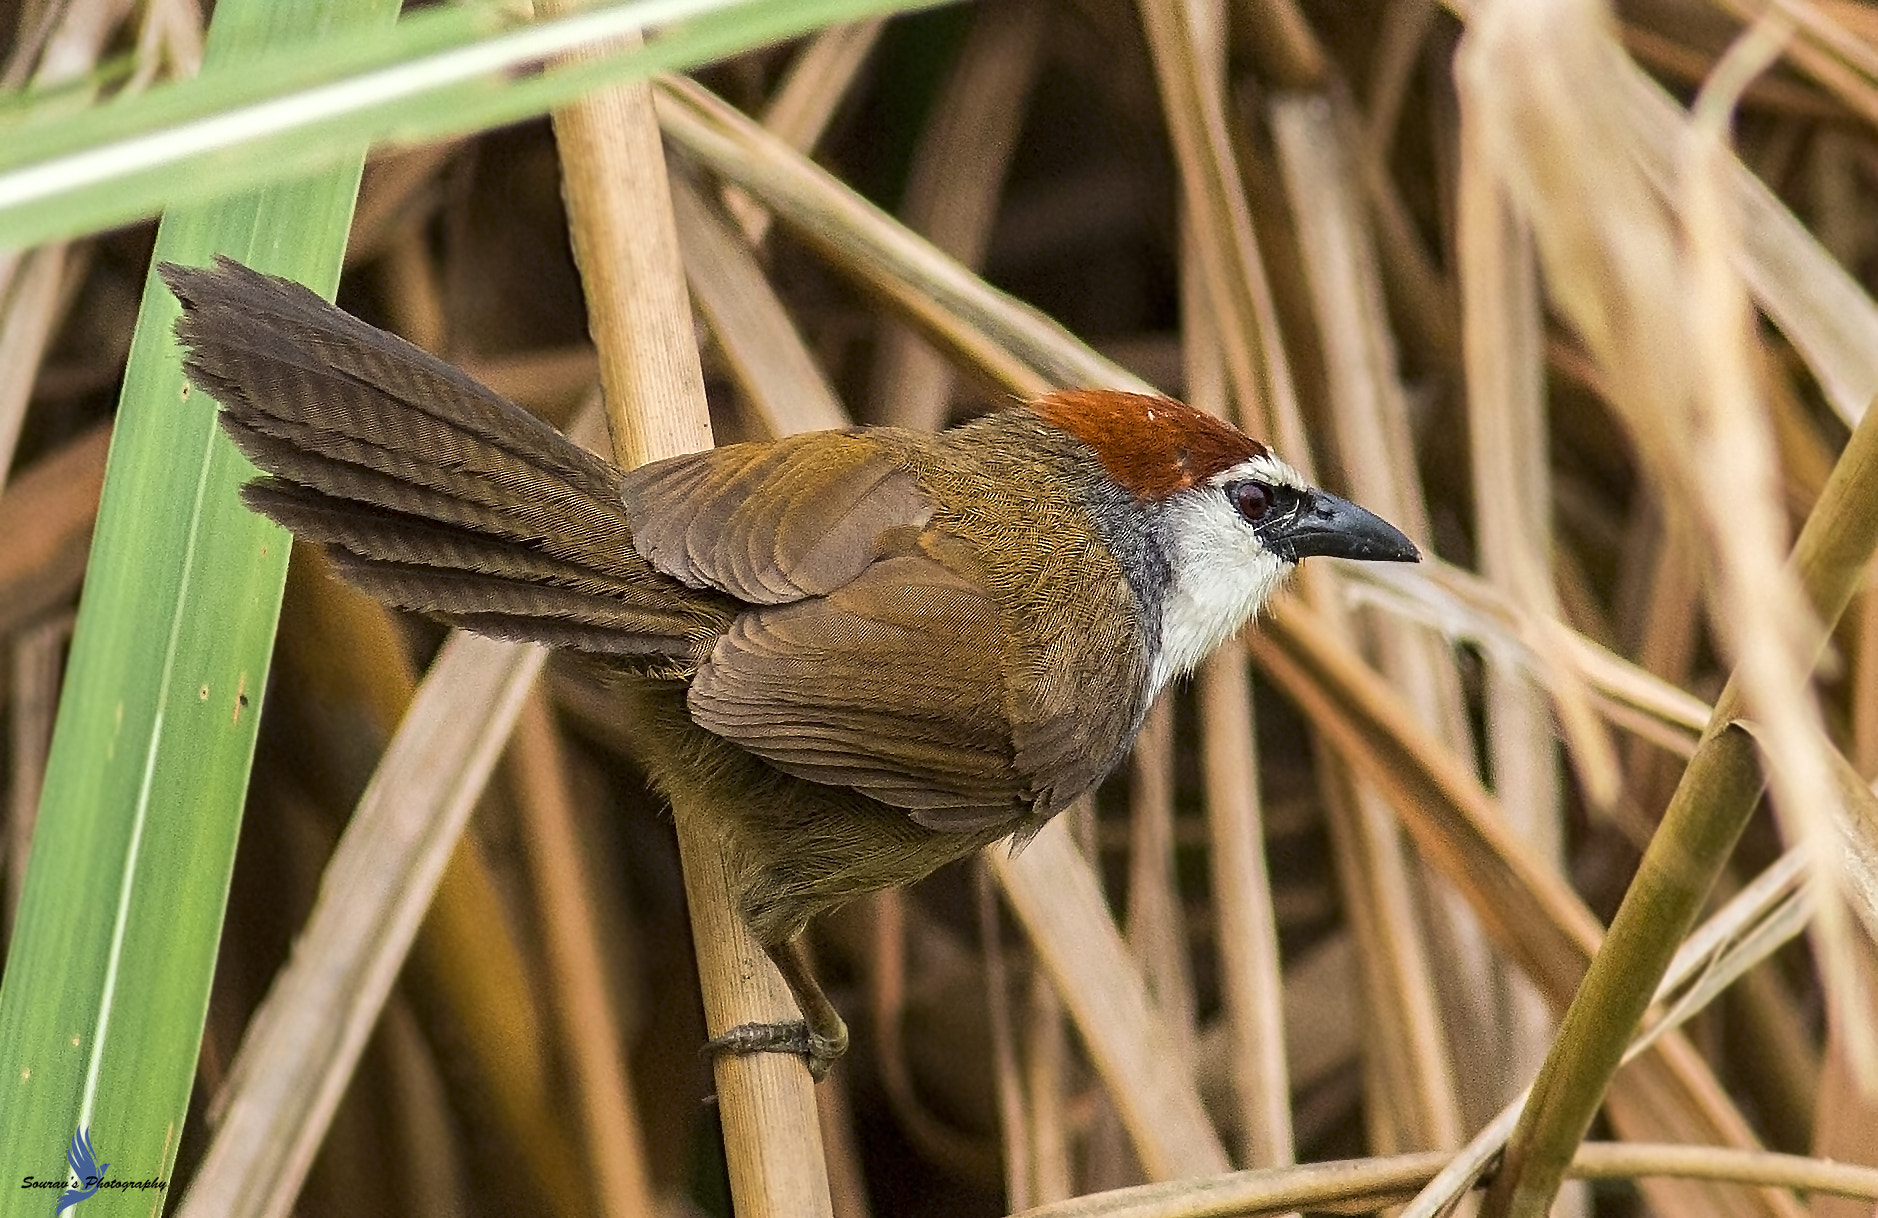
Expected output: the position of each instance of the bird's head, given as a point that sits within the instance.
(1231, 520)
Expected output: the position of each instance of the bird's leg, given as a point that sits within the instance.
(819, 1036)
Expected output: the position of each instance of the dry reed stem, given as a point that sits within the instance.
(620, 217)
(589, 1026)
(1467, 609)
(1226, 251)
(1286, 45)
(1152, 802)
(1503, 330)
(819, 79)
(47, 515)
(1156, 929)
(1654, 610)
(412, 1084)
(1377, 1183)
(1050, 1170)
(413, 297)
(847, 1175)
(1676, 61)
(1845, 1121)
(1371, 433)
(1055, 895)
(65, 45)
(1325, 1032)
(301, 1045)
(1253, 989)
(1367, 1184)
(171, 37)
(396, 195)
(954, 187)
(1428, 312)
(767, 357)
(28, 316)
(1247, 925)
(1400, 42)
(1215, 207)
(1843, 64)
(1013, 1126)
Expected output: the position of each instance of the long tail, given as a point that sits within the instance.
(431, 492)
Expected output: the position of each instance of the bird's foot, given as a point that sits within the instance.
(794, 1036)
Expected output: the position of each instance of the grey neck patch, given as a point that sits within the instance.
(1132, 531)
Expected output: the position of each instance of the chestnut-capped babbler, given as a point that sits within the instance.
(863, 654)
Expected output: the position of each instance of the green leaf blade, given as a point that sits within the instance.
(108, 977)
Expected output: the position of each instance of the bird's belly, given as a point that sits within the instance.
(796, 848)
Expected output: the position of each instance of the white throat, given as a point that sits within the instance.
(1222, 574)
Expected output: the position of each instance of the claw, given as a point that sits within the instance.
(793, 1037)
(819, 1039)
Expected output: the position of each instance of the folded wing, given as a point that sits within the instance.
(892, 685)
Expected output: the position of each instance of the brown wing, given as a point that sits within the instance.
(772, 523)
(884, 652)
(892, 685)
(909, 686)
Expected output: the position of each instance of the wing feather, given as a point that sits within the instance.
(773, 523)
(892, 685)
(971, 684)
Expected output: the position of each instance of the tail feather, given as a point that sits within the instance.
(286, 322)
(432, 492)
(465, 594)
(411, 449)
(278, 375)
(380, 535)
(319, 463)
(658, 663)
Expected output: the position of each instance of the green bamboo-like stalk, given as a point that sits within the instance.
(1705, 817)
(448, 70)
(107, 984)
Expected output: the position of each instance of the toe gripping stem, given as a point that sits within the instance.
(820, 1037)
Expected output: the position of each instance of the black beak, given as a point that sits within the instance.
(1336, 528)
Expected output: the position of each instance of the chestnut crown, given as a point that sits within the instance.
(1233, 518)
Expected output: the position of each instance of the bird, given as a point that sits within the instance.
(89, 1175)
(862, 654)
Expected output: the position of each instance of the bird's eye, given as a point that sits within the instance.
(1252, 500)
